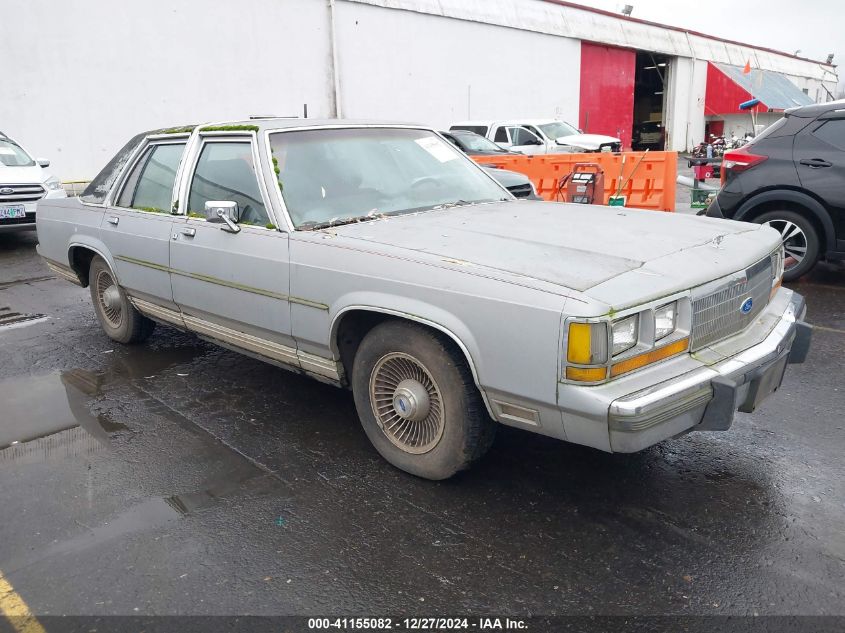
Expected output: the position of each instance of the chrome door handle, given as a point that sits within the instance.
(114, 220)
(189, 232)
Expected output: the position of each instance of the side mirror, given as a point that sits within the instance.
(42, 162)
(225, 212)
(534, 141)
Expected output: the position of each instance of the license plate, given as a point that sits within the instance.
(15, 211)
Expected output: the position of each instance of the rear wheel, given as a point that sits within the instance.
(117, 316)
(800, 241)
(417, 401)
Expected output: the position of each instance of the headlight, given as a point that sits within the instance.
(665, 319)
(625, 334)
(53, 184)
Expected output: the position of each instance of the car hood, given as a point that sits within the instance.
(505, 177)
(587, 141)
(22, 175)
(571, 246)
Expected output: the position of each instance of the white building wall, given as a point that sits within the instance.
(420, 67)
(80, 77)
(684, 103)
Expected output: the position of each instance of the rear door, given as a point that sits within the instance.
(232, 286)
(819, 155)
(137, 223)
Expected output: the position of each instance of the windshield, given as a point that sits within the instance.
(556, 129)
(340, 175)
(12, 155)
(475, 143)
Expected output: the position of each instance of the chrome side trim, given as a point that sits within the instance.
(319, 365)
(254, 344)
(65, 272)
(157, 312)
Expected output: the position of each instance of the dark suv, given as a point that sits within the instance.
(792, 177)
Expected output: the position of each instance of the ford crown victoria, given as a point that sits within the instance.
(380, 258)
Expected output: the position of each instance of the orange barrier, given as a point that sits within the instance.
(652, 185)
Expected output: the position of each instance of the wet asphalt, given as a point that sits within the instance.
(179, 478)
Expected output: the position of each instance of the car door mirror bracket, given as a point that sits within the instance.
(224, 212)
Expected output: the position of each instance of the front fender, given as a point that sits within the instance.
(413, 310)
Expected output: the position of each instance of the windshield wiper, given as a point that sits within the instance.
(451, 205)
(316, 226)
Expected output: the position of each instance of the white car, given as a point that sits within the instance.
(23, 182)
(540, 136)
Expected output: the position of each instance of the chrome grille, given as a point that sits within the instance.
(20, 193)
(716, 315)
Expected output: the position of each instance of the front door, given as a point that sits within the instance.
(136, 227)
(819, 156)
(232, 286)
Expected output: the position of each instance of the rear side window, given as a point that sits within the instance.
(478, 129)
(150, 185)
(832, 132)
(501, 136)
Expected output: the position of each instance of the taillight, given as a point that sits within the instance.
(739, 160)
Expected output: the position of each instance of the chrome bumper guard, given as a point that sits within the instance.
(707, 398)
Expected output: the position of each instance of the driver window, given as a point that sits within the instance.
(225, 171)
(521, 136)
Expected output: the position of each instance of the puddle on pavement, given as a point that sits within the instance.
(49, 417)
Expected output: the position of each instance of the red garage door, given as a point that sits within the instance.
(607, 91)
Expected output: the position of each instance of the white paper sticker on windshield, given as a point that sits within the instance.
(436, 148)
(7, 151)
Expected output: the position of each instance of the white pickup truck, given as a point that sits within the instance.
(540, 136)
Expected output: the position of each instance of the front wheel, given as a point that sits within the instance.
(117, 316)
(417, 401)
(800, 241)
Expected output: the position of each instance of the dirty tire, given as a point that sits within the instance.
(800, 234)
(456, 431)
(117, 316)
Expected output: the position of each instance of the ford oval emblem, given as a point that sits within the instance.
(746, 306)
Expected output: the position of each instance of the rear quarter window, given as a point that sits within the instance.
(832, 132)
(478, 129)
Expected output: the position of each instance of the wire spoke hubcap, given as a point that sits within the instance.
(794, 241)
(407, 403)
(108, 294)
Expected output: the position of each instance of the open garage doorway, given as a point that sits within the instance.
(650, 84)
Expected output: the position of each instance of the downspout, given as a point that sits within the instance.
(687, 142)
(335, 107)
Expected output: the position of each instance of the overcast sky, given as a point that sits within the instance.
(813, 26)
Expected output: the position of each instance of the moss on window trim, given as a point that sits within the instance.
(270, 226)
(229, 128)
(185, 129)
(149, 209)
(194, 214)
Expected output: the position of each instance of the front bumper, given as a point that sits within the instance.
(706, 398)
